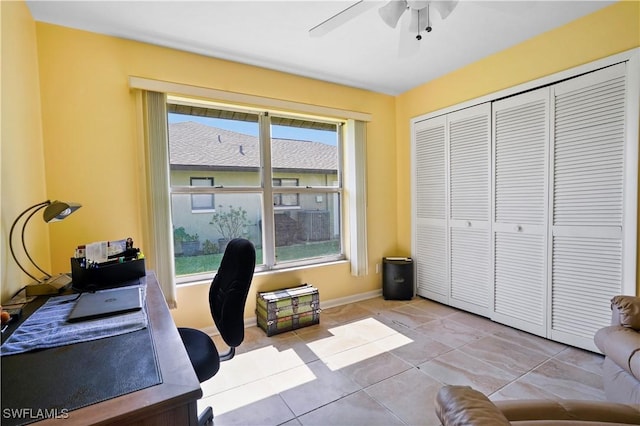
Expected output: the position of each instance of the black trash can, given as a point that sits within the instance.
(397, 278)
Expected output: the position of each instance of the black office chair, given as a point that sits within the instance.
(227, 297)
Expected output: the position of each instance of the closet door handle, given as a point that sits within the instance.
(518, 228)
(468, 224)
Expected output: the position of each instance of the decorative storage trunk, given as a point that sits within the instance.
(288, 309)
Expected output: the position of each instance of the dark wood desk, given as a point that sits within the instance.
(173, 402)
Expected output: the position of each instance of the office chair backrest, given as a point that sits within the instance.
(229, 290)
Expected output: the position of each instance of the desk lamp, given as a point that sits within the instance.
(54, 211)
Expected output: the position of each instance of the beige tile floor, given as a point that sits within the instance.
(380, 362)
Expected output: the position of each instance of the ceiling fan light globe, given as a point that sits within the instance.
(417, 4)
(392, 11)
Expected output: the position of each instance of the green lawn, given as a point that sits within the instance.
(186, 265)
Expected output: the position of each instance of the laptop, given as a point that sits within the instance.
(106, 303)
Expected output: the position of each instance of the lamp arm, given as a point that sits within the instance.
(24, 226)
(13, 225)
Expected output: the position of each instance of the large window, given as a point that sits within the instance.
(278, 182)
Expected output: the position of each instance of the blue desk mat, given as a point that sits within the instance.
(52, 382)
(47, 326)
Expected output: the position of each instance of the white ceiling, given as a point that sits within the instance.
(363, 53)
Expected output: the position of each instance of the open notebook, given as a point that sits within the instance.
(106, 303)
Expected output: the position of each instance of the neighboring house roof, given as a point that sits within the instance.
(196, 144)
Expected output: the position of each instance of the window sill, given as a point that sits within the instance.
(201, 279)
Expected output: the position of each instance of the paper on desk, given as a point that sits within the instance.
(97, 252)
(47, 327)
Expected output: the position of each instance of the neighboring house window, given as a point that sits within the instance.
(285, 199)
(278, 183)
(202, 202)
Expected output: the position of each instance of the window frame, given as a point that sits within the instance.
(267, 192)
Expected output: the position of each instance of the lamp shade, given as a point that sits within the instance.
(58, 210)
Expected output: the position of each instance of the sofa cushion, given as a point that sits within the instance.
(619, 385)
(628, 308)
(622, 346)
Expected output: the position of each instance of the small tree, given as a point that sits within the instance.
(230, 223)
(180, 235)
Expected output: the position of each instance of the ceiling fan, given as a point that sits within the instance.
(390, 13)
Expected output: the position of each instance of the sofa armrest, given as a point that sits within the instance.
(568, 410)
(622, 346)
(461, 405)
(626, 311)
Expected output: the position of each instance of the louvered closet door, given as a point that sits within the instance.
(430, 232)
(469, 204)
(587, 204)
(521, 141)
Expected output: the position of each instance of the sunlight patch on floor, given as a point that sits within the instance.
(249, 378)
(250, 367)
(370, 331)
(265, 372)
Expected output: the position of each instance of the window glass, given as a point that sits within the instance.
(218, 183)
(309, 232)
(227, 146)
(284, 200)
(202, 201)
(200, 240)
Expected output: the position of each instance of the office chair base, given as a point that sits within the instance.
(206, 417)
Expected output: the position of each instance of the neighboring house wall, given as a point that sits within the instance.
(199, 222)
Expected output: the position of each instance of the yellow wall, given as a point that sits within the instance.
(609, 31)
(22, 160)
(89, 123)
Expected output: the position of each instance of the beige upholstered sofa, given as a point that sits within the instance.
(620, 343)
(462, 405)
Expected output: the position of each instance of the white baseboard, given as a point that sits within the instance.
(324, 304)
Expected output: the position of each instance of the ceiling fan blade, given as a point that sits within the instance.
(444, 8)
(392, 11)
(341, 18)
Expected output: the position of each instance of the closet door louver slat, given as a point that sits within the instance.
(430, 262)
(430, 254)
